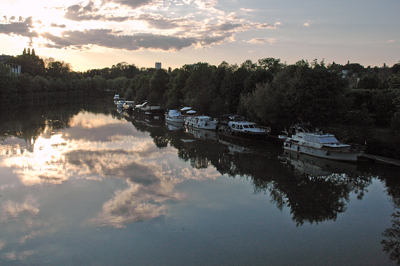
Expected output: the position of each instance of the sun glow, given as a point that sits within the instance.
(44, 163)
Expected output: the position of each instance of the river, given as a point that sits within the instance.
(94, 186)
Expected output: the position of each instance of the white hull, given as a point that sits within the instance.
(201, 122)
(331, 153)
(174, 116)
(175, 119)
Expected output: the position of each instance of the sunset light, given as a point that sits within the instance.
(84, 33)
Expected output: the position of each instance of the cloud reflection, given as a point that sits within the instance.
(136, 203)
(56, 157)
(11, 210)
(89, 120)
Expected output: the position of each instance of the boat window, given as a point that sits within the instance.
(240, 127)
(251, 126)
(329, 139)
(246, 126)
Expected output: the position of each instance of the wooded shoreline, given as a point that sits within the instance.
(359, 104)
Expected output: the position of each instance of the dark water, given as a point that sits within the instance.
(91, 186)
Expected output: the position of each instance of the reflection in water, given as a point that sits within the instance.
(125, 171)
(321, 188)
(202, 134)
(391, 245)
(305, 164)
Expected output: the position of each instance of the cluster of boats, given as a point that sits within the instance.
(301, 138)
(145, 109)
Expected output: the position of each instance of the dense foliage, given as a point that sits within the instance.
(268, 91)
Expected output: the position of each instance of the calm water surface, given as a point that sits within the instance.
(105, 188)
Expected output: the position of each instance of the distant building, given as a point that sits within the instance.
(158, 65)
(16, 69)
(3, 58)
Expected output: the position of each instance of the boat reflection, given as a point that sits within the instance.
(234, 148)
(201, 133)
(306, 164)
(172, 126)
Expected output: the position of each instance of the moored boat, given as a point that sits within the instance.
(305, 139)
(174, 116)
(116, 98)
(151, 111)
(120, 103)
(237, 126)
(129, 105)
(201, 122)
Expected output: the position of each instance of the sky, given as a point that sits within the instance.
(94, 34)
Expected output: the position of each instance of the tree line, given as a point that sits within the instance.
(267, 91)
(273, 93)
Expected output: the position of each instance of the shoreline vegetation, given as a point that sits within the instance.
(358, 104)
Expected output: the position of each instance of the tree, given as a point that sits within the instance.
(396, 68)
(158, 86)
(298, 91)
(369, 82)
(232, 87)
(271, 64)
(200, 79)
(30, 64)
(58, 69)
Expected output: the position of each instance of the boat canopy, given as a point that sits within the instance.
(185, 109)
(329, 139)
(174, 113)
(191, 112)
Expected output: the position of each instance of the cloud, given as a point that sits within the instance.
(55, 25)
(161, 22)
(262, 40)
(89, 12)
(134, 4)
(23, 28)
(92, 12)
(306, 24)
(248, 10)
(112, 39)
(268, 26)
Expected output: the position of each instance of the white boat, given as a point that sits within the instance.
(151, 111)
(116, 98)
(201, 122)
(308, 140)
(174, 116)
(129, 105)
(237, 126)
(120, 103)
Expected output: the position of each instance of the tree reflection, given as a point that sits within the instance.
(391, 245)
(315, 191)
(29, 122)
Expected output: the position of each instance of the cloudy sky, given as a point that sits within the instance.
(93, 34)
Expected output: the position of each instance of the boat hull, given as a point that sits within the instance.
(196, 122)
(243, 135)
(332, 154)
(175, 120)
(157, 115)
